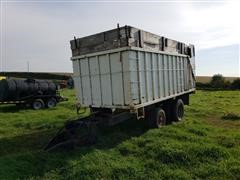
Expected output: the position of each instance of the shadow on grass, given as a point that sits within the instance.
(231, 116)
(13, 108)
(27, 142)
(23, 155)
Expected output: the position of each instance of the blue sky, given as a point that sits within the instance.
(39, 32)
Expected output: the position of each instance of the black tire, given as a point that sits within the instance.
(52, 102)
(156, 118)
(178, 110)
(38, 104)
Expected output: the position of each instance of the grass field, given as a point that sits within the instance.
(205, 145)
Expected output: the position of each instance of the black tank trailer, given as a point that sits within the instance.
(37, 93)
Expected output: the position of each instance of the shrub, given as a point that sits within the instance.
(227, 85)
(236, 84)
(201, 85)
(217, 81)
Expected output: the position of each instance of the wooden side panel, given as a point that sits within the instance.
(126, 36)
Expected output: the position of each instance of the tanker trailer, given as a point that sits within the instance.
(37, 93)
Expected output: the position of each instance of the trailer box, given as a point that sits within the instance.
(129, 76)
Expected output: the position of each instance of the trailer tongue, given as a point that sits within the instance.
(83, 131)
(69, 137)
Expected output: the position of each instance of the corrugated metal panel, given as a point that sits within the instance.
(130, 77)
(95, 80)
(117, 79)
(142, 77)
(77, 80)
(134, 77)
(161, 75)
(155, 76)
(106, 82)
(126, 77)
(85, 80)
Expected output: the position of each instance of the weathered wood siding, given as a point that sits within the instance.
(126, 36)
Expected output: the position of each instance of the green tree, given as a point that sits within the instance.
(236, 84)
(218, 81)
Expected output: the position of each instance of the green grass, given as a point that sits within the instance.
(204, 145)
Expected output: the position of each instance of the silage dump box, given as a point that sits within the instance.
(127, 72)
(128, 68)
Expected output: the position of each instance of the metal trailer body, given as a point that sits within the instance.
(131, 78)
(123, 73)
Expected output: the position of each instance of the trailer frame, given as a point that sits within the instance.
(30, 99)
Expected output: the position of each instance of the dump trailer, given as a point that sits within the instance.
(37, 93)
(127, 72)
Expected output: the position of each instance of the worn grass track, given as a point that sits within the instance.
(204, 145)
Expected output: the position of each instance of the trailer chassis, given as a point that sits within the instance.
(156, 115)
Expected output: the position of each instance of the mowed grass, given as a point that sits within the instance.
(205, 145)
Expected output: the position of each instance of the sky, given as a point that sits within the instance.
(36, 34)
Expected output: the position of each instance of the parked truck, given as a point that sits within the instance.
(127, 72)
(37, 93)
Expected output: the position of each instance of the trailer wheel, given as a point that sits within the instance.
(51, 103)
(157, 118)
(38, 104)
(178, 110)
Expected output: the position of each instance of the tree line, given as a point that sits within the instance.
(219, 82)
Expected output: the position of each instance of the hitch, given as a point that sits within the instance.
(83, 131)
(79, 132)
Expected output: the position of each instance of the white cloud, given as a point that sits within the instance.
(214, 25)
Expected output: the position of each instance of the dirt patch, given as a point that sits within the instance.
(219, 122)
